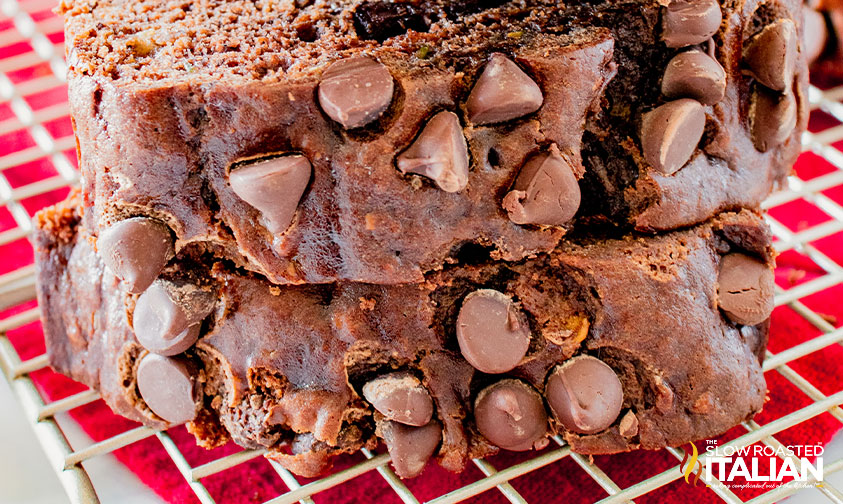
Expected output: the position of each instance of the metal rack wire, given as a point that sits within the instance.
(28, 25)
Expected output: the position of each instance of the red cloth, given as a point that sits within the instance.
(256, 481)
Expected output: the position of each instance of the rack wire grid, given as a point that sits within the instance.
(32, 64)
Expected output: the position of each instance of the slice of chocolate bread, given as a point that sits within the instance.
(615, 344)
(371, 141)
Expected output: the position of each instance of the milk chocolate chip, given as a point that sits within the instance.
(745, 289)
(511, 415)
(355, 91)
(400, 397)
(694, 74)
(410, 447)
(439, 153)
(502, 92)
(772, 118)
(689, 22)
(546, 192)
(168, 386)
(584, 394)
(492, 332)
(136, 250)
(168, 314)
(771, 55)
(670, 134)
(273, 186)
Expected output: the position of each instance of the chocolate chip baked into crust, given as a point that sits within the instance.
(313, 142)
(613, 343)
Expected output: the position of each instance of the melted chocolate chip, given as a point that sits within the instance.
(168, 386)
(546, 192)
(492, 332)
(410, 447)
(440, 153)
(772, 118)
(511, 415)
(136, 250)
(273, 186)
(670, 134)
(694, 74)
(502, 92)
(400, 397)
(771, 55)
(745, 289)
(168, 314)
(689, 22)
(382, 20)
(585, 394)
(355, 91)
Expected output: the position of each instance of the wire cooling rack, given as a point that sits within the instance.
(37, 146)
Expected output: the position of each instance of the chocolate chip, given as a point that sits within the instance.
(694, 74)
(511, 415)
(492, 332)
(502, 92)
(355, 91)
(689, 22)
(410, 447)
(168, 314)
(670, 134)
(546, 192)
(168, 386)
(400, 397)
(771, 55)
(745, 289)
(584, 394)
(439, 153)
(136, 250)
(273, 186)
(382, 20)
(772, 118)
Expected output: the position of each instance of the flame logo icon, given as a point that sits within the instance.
(692, 463)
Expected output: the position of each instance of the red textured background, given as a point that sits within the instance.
(256, 481)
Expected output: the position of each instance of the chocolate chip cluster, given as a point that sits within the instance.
(770, 58)
(694, 79)
(167, 316)
(583, 394)
(671, 132)
(357, 91)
